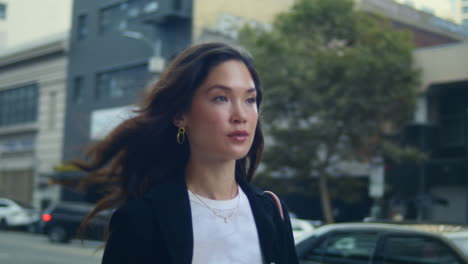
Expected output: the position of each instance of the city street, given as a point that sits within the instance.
(26, 248)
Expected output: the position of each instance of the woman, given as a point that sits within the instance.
(180, 170)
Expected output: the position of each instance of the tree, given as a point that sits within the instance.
(335, 80)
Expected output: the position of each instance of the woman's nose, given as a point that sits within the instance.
(239, 113)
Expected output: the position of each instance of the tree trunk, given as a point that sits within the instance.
(325, 198)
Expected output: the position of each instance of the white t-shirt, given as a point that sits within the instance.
(220, 242)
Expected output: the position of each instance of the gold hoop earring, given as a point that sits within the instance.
(181, 135)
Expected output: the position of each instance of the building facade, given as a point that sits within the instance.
(464, 12)
(32, 97)
(449, 10)
(23, 21)
(436, 189)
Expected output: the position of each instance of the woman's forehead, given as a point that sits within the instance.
(229, 75)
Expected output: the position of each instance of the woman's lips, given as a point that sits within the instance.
(239, 136)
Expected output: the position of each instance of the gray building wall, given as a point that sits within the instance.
(108, 51)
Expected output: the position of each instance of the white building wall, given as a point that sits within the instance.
(50, 75)
(31, 20)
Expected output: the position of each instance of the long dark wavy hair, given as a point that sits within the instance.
(143, 151)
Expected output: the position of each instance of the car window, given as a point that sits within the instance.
(3, 205)
(353, 247)
(416, 250)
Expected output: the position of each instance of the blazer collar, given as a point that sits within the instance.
(262, 211)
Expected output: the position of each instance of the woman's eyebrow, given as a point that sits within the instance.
(227, 89)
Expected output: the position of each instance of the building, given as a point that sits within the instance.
(221, 19)
(32, 97)
(116, 49)
(464, 12)
(23, 21)
(427, 29)
(449, 10)
(438, 189)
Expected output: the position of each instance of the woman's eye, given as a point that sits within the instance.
(221, 99)
(252, 100)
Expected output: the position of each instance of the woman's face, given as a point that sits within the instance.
(223, 117)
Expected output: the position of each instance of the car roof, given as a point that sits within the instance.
(17, 202)
(433, 229)
(454, 235)
(424, 228)
(74, 205)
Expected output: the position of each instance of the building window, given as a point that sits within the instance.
(465, 9)
(122, 82)
(112, 19)
(3, 9)
(77, 95)
(115, 17)
(18, 105)
(82, 28)
(465, 22)
(177, 4)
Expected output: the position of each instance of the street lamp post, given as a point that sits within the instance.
(156, 62)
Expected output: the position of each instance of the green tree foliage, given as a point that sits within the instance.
(334, 79)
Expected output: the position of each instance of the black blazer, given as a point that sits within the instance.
(157, 228)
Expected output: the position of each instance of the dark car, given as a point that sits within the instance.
(384, 244)
(61, 222)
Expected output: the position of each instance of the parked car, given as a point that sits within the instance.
(14, 213)
(300, 227)
(384, 244)
(61, 222)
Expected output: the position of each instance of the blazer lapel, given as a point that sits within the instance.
(171, 203)
(262, 212)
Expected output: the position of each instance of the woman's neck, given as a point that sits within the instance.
(213, 180)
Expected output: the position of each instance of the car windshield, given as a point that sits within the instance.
(462, 243)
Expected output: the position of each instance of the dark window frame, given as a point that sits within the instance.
(322, 244)
(19, 105)
(82, 29)
(3, 11)
(111, 83)
(113, 16)
(78, 89)
(105, 15)
(385, 239)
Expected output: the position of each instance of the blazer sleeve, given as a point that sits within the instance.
(129, 238)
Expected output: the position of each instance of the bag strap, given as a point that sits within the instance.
(278, 203)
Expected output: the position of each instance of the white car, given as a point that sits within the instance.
(300, 227)
(15, 214)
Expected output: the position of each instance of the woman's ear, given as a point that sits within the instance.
(179, 120)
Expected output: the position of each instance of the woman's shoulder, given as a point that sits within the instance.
(134, 210)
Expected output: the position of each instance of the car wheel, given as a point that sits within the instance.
(3, 224)
(58, 234)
